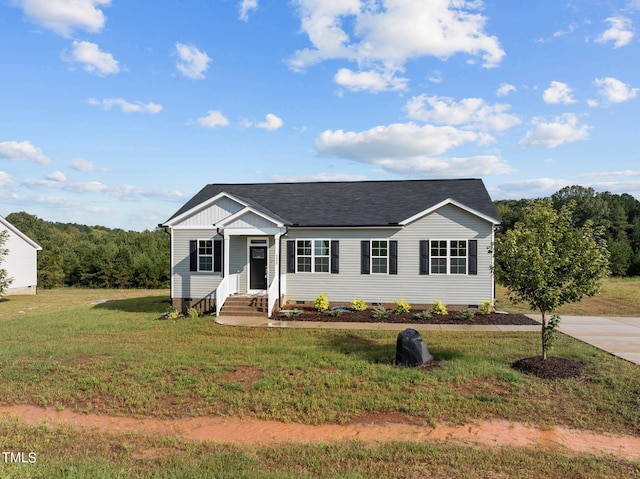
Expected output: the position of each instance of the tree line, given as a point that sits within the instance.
(95, 256)
(616, 216)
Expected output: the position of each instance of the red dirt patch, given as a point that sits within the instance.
(259, 432)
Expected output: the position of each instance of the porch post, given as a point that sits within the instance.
(225, 263)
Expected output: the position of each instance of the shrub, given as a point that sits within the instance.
(465, 314)
(380, 312)
(172, 314)
(402, 306)
(192, 313)
(334, 312)
(439, 308)
(359, 305)
(292, 313)
(321, 303)
(422, 315)
(486, 307)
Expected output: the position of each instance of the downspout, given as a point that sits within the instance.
(279, 246)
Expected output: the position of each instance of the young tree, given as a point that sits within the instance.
(546, 262)
(5, 281)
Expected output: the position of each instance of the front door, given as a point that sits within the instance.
(258, 267)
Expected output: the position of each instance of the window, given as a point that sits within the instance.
(458, 257)
(379, 256)
(205, 255)
(313, 256)
(448, 256)
(438, 257)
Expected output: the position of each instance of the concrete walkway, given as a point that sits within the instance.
(618, 336)
(258, 322)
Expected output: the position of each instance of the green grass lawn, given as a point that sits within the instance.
(619, 297)
(58, 349)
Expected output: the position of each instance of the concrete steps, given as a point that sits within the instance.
(246, 305)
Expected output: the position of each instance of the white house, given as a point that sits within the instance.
(21, 264)
(378, 241)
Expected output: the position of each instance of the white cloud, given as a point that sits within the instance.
(482, 165)
(563, 129)
(5, 180)
(84, 165)
(125, 106)
(620, 32)
(56, 176)
(271, 123)
(614, 90)
(192, 62)
(611, 174)
(558, 92)
(396, 140)
(532, 188)
(471, 113)
(245, 7)
(123, 192)
(375, 39)
(65, 16)
(23, 150)
(317, 177)
(409, 149)
(506, 89)
(373, 81)
(95, 61)
(213, 119)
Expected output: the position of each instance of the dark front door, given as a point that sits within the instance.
(258, 267)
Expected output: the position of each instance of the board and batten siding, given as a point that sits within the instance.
(222, 209)
(447, 223)
(185, 283)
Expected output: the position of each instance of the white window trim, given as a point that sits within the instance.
(449, 257)
(386, 240)
(313, 256)
(205, 255)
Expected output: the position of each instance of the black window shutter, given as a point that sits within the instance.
(365, 257)
(193, 255)
(424, 256)
(393, 257)
(217, 256)
(335, 257)
(473, 257)
(291, 256)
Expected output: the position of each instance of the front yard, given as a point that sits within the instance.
(60, 350)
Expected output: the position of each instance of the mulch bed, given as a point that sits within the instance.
(502, 319)
(550, 368)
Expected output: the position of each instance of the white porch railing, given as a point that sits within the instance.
(274, 292)
(227, 287)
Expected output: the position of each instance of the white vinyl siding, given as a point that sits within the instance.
(186, 283)
(449, 222)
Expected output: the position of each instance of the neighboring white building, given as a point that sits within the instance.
(21, 263)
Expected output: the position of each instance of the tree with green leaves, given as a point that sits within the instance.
(5, 281)
(547, 261)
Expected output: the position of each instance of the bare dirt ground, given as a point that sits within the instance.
(376, 428)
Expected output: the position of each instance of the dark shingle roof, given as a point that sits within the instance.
(358, 203)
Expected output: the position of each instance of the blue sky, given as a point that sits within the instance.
(116, 112)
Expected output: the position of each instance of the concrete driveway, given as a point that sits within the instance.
(616, 335)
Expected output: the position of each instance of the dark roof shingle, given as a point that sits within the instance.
(357, 203)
